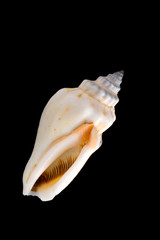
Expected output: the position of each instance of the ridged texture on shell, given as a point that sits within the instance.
(104, 89)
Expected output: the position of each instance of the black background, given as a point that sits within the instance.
(44, 53)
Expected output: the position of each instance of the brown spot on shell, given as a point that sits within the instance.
(92, 104)
(104, 111)
(79, 95)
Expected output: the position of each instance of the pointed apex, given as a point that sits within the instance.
(122, 72)
(119, 76)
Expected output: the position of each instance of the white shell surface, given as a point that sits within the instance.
(67, 110)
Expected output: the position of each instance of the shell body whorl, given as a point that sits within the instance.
(69, 131)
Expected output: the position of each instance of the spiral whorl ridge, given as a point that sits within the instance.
(104, 89)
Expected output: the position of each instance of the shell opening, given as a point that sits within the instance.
(59, 166)
(56, 170)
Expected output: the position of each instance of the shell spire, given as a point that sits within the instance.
(104, 89)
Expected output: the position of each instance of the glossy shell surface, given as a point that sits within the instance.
(70, 130)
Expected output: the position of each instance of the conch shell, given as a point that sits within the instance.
(70, 130)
